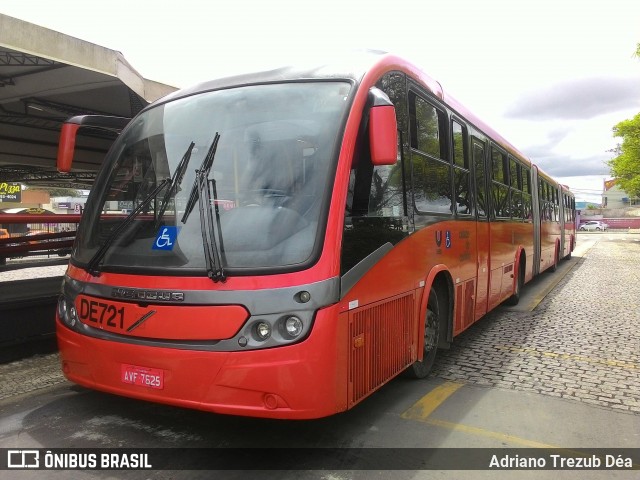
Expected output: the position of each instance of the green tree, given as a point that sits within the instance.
(626, 166)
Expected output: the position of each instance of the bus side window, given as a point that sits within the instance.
(432, 172)
(461, 177)
(374, 214)
(527, 213)
(481, 186)
(394, 84)
(499, 184)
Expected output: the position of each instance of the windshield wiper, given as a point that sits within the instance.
(178, 175)
(201, 192)
(95, 260)
(194, 194)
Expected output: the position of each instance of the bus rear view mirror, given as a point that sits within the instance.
(66, 147)
(67, 144)
(383, 130)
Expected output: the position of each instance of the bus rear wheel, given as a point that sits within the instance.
(422, 368)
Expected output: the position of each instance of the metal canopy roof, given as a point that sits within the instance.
(47, 77)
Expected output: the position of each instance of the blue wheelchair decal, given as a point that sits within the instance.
(166, 238)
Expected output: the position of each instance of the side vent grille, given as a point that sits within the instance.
(382, 341)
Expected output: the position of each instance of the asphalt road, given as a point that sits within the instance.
(558, 372)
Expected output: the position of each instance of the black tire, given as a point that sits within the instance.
(422, 368)
(515, 298)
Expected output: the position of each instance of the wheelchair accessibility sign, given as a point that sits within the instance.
(166, 238)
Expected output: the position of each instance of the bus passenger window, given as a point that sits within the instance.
(432, 185)
(526, 183)
(461, 177)
(481, 189)
(514, 174)
(517, 207)
(497, 163)
(427, 127)
(464, 201)
(431, 175)
(499, 186)
(459, 139)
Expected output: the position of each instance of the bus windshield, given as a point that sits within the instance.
(261, 201)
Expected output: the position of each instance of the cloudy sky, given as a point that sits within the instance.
(553, 76)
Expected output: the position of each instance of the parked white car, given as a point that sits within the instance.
(594, 225)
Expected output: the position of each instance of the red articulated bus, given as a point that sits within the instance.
(284, 243)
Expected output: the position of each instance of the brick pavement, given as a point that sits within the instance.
(29, 374)
(581, 343)
(36, 372)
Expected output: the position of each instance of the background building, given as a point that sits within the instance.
(613, 197)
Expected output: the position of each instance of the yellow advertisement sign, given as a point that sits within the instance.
(10, 192)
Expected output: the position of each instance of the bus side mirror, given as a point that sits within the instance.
(66, 147)
(67, 144)
(383, 130)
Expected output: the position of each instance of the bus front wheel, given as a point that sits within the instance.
(422, 368)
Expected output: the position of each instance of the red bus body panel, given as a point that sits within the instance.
(298, 381)
(188, 322)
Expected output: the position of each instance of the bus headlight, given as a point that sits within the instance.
(67, 314)
(262, 331)
(270, 330)
(292, 327)
(73, 316)
(62, 308)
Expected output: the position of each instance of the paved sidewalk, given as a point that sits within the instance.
(30, 273)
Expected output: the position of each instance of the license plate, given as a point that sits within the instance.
(142, 376)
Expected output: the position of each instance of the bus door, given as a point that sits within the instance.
(483, 238)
